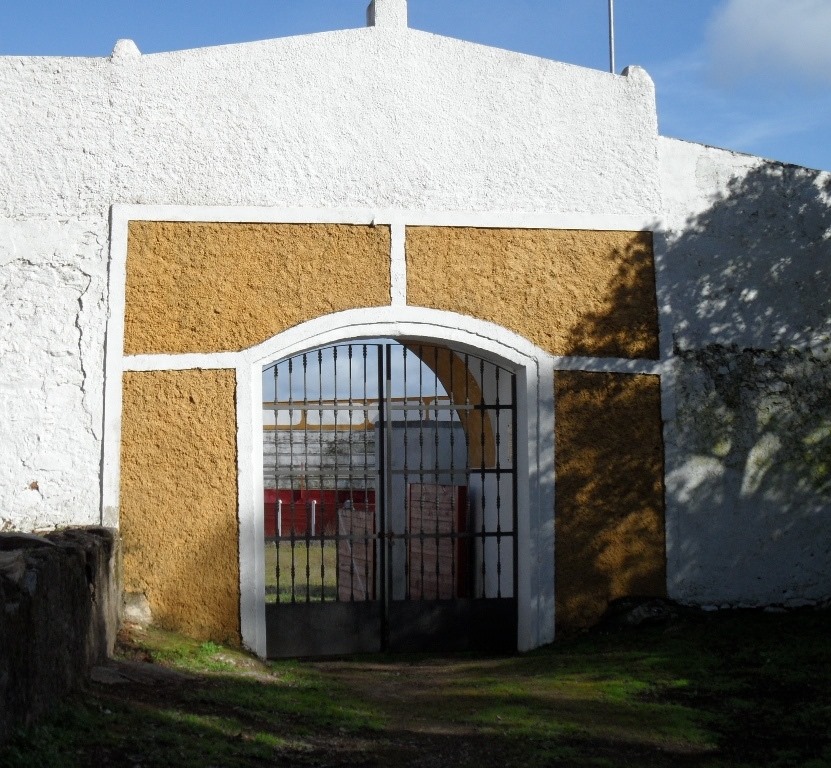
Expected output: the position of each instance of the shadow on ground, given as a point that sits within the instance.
(720, 690)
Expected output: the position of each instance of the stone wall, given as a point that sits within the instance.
(59, 599)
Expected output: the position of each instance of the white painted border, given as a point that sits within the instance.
(250, 506)
(398, 264)
(387, 216)
(668, 372)
(183, 362)
(534, 470)
(113, 372)
(535, 390)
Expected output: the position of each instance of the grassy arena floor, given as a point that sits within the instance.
(314, 566)
(729, 689)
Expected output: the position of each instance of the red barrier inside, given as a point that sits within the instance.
(296, 512)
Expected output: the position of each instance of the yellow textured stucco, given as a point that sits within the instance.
(570, 292)
(459, 383)
(609, 516)
(179, 499)
(211, 287)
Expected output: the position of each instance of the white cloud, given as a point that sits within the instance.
(777, 39)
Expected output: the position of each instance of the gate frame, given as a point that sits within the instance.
(534, 468)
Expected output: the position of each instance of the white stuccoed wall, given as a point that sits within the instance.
(746, 273)
(750, 240)
(386, 117)
(51, 354)
(382, 117)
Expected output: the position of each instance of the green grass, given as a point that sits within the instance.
(721, 691)
(300, 557)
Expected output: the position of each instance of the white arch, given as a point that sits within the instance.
(415, 323)
(534, 469)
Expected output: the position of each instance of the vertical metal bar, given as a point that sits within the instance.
(421, 467)
(339, 507)
(454, 512)
(407, 509)
(319, 478)
(469, 542)
(336, 450)
(612, 36)
(367, 548)
(306, 477)
(436, 449)
(278, 506)
(514, 496)
(498, 438)
(382, 507)
(292, 507)
(482, 417)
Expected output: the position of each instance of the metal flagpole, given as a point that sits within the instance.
(612, 36)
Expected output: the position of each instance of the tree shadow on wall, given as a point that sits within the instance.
(752, 270)
(749, 473)
(609, 496)
(749, 457)
(620, 319)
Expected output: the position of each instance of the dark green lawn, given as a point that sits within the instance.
(726, 689)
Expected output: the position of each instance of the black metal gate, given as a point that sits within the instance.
(390, 501)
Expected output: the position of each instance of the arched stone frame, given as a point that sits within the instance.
(534, 469)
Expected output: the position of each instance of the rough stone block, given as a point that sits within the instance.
(59, 608)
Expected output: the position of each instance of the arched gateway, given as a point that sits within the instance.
(397, 470)
(390, 500)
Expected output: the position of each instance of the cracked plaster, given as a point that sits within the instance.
(51, 352)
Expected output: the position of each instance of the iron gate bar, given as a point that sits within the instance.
(454, 513)
(405, 407)
(436, 464)
(402, 536)
(395, 407)
(421, 470)
(514, 491)
(426, 534)
(345, 474)
(488, 471)
(385, 490)
(449, 531)
(484, 501)
(498, 498)
(320, 442)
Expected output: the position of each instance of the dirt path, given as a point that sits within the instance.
(730, 691)
(415, 733)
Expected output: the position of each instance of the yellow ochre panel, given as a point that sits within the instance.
(215, 287)
(571, 292)
(609, 509)
(179, 499)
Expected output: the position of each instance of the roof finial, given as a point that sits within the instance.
(387, 13)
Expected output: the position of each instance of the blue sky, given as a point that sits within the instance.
(749, 75)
